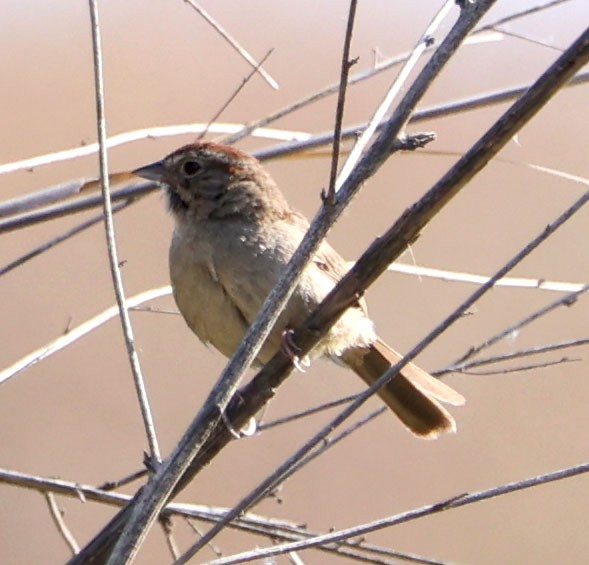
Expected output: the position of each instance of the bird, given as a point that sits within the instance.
(234, 233)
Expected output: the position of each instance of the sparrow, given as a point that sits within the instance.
(234, 235)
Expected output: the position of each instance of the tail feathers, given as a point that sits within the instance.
(413, 395)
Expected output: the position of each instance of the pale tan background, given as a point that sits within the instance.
(75, 416)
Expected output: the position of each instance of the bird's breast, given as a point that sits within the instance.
(200, 296)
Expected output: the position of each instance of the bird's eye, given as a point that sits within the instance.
(190, 168)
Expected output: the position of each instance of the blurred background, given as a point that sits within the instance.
(75, 416)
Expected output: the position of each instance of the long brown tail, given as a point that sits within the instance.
(413, 395)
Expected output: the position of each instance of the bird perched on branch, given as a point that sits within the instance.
(234, 234)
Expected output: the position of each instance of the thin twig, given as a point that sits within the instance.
(198, 532)
(60, 238)
(341, 102)
(233, 95)
(168, 529)
(328, 443)
(450, 108)
(522, 14)
(87, 492)
(154, 310)
(40, 198)
(111, 242)
(521, 368)
(233, 42)
(529, 39)
(304, 413)
(513, 282)
(76, 333)
(62, 528)
(145, 133)
(535, 350)
(566, 300)
(131, 193)
(112, 485)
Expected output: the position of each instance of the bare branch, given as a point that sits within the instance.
(233, 95)
(341, 100)
(112, 485)
(529, 39)
(515, 282)
(62, 528)
(110, 239)
(168, 528)
(130, 193)
(233, 42)
(297, 463)
(59, 239)
(146, 133)
(41, 198)
(520, 368)
(566, 300)
(198, 532)
(304, 413)
(535, 350)
(522, 14)
(76, 333)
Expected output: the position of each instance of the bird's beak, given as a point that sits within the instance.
(155, 171)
